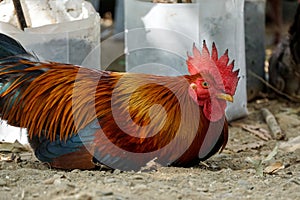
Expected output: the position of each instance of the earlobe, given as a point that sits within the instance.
(193, 86)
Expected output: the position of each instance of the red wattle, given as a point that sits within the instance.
(214, 109)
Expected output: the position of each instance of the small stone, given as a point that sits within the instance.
(107, 193)
(83, 197)
(202, 189)
(2, 182)
(49, 181)
(57, 176)
(57, 182)
(110, 180)
(75, 171)
(120, 198)
(138, 177)
(117, 171)
(245, 184)
(71, 185)
(141, 187)
(6, 189)
(35, 195)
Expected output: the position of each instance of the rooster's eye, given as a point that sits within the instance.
(205, 84)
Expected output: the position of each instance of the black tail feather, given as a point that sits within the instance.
(10, 47)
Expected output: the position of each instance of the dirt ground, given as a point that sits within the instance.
(251, 167)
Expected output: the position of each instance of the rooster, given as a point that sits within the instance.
(82, 118)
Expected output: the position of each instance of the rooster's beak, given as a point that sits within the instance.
(225, 97)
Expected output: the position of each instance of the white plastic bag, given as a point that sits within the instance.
(72, 39)
(69, 40)
(158, 37)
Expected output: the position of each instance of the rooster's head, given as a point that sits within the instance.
(213, 81)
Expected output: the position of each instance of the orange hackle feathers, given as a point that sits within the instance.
(146, 113)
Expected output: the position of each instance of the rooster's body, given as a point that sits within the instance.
(78, 117)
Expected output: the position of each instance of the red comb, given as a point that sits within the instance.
(203, 62)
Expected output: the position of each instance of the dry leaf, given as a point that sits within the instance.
(27, 156)
(152, 165)
(273, 168)
(291, 145)
(15, 147)
(6, 158)
(255, 130)
(258, 131)
(243, 147)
